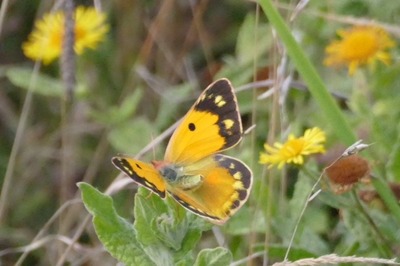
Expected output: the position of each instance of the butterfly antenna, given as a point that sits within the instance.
(158, 139)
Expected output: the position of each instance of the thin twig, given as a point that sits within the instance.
(17, 141)
(74, 239)
(45, 227)
(3, 10)
(40, 242)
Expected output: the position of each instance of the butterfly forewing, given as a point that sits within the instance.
(225, 188)
(211, 185)
(212, 124)
(142, 173)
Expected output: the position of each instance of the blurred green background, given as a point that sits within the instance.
(155, 60)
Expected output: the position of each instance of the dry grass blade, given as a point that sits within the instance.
(335, 259)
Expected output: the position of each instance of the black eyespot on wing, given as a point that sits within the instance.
(192, 127)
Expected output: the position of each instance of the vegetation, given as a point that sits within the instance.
(311, 81)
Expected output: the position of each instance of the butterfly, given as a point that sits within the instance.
(209, 184)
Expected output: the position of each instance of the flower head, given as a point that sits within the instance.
(346, 172)
(293, 150)
(360, 45)
(45, 42)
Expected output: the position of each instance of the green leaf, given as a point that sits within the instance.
(247, 47)
(120, 113)
(393, 164)
(167, 231)
(218, 256)
(239, 68)
(171, 101)
(278, 252)
(122, 136)
(301, 191)
(151, 211)
(116, 234)
(44, 84)
(148, 208)
(245, 221)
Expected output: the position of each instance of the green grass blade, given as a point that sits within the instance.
(321, 95)
(310, 76)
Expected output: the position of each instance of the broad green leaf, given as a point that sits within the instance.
(301, 191)
(116, 234)
(332, 200)
(44, 85)
(130, 137)
(148, 209)
(172, 99)
(247, 46)
(358, 226)
(237, 73)
(245, 221)
(190, 241)
(311, 241)
(167, 231)
(240, 68)
(170, 232)
(181, 230)
(115, 115)
(218, 256)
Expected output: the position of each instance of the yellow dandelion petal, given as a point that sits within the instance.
(294, 149)
(90, 28)
(313, 139)
(45, 42)
(360, 45)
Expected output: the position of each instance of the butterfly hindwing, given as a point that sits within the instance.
(225, 188)
(142, 173)
(212, 124)
(208, 184)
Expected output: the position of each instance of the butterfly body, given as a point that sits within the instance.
(209, 184)
(177, 176)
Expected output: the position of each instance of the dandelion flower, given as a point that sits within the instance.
(360, 45)
(293, 150)
(45, 42)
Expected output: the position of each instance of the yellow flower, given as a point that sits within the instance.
(45, 42)
(293, 150)
(360, 45)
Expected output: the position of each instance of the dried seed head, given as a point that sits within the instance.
(346, 172)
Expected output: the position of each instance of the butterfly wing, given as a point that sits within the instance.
(212, 124)
(225, 188)
(142, 173)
